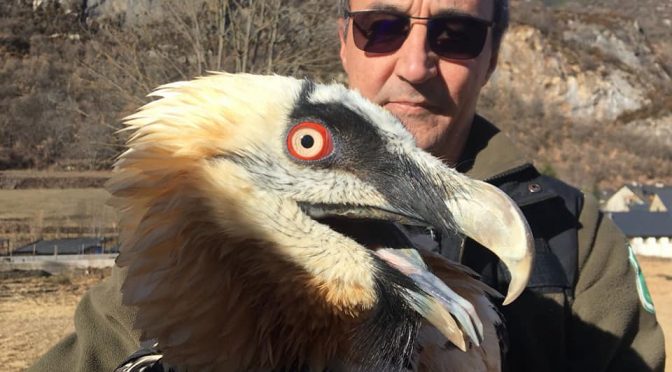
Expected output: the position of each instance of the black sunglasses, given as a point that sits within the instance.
(452, 36)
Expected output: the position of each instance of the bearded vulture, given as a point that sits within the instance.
(260, 231)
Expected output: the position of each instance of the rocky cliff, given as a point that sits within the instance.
(583, 87)
(587, 93)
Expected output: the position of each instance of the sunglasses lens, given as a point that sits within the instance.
(379, 32)
(453, 37)
(457, 37)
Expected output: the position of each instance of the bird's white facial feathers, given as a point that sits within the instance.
(340, 267)
(312, 185)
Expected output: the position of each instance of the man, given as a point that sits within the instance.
(581, 311)
(426, 61)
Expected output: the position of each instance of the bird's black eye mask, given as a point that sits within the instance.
(360, 150)
(357, 147)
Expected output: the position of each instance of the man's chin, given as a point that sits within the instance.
(428, 129)
(428, 133)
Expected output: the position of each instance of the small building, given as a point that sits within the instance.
(654, 198)
(662, 201)
(623, 200)
(644, 214)
(649, 233)
(63, 246)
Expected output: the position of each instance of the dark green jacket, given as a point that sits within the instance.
(581, 311)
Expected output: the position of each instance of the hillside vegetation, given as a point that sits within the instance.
(584, 90)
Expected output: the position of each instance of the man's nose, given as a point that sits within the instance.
(416, 63)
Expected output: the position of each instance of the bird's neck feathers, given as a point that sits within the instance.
(211, 295)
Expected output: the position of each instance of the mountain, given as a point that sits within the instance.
(583, 87)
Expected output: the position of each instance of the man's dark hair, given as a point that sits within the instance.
(500, 18)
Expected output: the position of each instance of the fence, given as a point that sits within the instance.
(57, 264)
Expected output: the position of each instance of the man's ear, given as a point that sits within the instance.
(342, 36)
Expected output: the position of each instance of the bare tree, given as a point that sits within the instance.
(62, 98)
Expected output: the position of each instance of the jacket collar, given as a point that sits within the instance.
(492, 157)
(489, 153)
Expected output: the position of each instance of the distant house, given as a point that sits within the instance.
(623, 200)
(654, 198)
(644, 214)
(62, 246)
(662, 201)
(649, 233)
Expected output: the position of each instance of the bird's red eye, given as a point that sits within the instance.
(309, 141)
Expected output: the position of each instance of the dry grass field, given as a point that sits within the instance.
(30, 214)
(35, 312)
(658, 274)
(53, 179)
(54, 204)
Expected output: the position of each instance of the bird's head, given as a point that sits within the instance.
(237, 198)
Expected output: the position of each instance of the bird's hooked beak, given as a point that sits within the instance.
(485, 214)
(448, 201)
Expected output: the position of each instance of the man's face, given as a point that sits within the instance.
(434, 97)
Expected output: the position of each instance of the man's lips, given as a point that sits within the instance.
(409, 106)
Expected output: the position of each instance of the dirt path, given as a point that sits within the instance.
(35, 312)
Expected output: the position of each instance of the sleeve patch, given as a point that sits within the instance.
(642, 289)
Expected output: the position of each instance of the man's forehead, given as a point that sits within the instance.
(481, 8)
